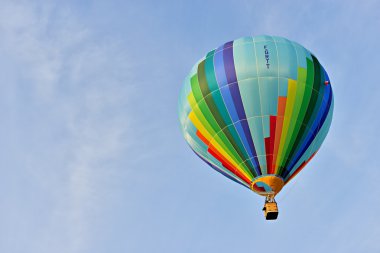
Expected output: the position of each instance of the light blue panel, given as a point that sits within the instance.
(243, 40)
(269, 95)
(283, 87)
(192, 131)
(287, 59)
(184, 112)
(280, 39)
(256, 128)
(266, 57)
(262, 38)
(187, 86)
(302, 54)
(217, 163)
(195, 145)
(266, 126)
(245, 60)
(250, 95)
(263, 164)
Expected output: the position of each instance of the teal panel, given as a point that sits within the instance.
(221, 107)
(210, 73)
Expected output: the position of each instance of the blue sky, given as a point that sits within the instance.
(92, 158)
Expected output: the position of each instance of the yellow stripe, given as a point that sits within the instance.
(292, 85)
(205, 123)
(221, 150)
(236, 165)
(199, 126)
(296, 109)
(191, 100)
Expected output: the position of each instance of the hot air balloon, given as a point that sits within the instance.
(257, 110)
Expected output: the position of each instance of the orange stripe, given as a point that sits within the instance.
(280, 120)
(200, 136)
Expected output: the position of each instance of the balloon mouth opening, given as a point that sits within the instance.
(267, 185)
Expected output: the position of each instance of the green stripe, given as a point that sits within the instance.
(300, 117)
(317, 142)
(195, 88)
(210, 121)
(310, 109)
(216, 114)
(222, 110)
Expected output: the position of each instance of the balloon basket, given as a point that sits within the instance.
(270, 209)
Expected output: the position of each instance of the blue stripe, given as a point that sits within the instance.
(317, 124)
(229, 67)
(219, 67)
(226, 94)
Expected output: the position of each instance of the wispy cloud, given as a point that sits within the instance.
(80, 82)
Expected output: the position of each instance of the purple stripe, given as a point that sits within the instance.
(229, 67)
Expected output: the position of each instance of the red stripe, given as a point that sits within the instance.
(269, 144)
(273, 120)
(212, 150)
(267, 152)
(279, 123)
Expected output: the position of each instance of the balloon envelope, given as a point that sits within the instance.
(257, 109)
